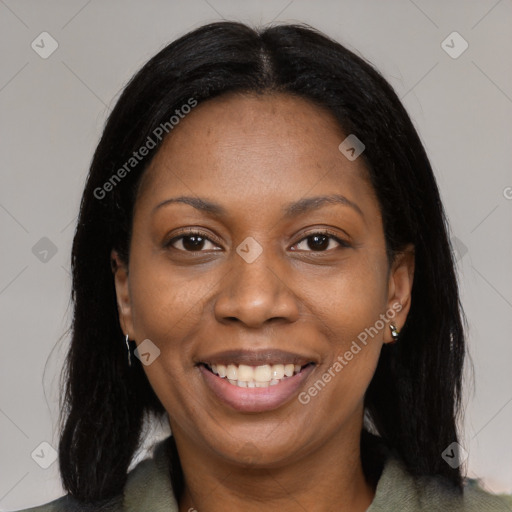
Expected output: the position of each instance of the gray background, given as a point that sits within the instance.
(52, 114)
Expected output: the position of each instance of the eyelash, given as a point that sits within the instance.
(191, 233)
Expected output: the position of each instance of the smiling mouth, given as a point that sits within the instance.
(245, 376)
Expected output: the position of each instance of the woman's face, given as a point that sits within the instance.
(261, 289)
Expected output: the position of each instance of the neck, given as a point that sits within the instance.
(330, 474)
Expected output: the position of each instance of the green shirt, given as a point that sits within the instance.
(149, 489)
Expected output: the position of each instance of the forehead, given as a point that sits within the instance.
(254, 149)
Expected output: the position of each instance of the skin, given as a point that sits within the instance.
(253, 155)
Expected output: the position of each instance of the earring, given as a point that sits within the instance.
(129, 351)
(394, 332)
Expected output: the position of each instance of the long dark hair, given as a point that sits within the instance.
(414, 398)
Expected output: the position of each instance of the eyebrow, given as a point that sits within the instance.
(290, 210)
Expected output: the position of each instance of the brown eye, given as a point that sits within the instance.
(320, 241)
(192, 241)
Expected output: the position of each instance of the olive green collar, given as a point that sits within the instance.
(149, 488)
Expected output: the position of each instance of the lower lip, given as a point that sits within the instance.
(255, 399)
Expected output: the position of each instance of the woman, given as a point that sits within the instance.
(262, 257)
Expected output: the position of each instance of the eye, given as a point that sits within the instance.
(191, 241)
(319, 241)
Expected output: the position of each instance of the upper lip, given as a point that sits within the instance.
(255, 357)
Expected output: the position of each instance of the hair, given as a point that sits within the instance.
(414, 397)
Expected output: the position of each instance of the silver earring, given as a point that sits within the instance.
(129, 351)
(394, 332)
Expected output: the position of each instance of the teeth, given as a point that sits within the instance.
(262, 373)
(246, 376)
(231, 372)
(245, 373)
(289, 369)
(277, 372)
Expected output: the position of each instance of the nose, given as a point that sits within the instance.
(257, 292)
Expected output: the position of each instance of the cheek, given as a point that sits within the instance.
(349, 300)
(166, 303)
(166, 308)
(348, 307)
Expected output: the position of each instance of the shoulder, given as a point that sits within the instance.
(399, 490)
(148, 487)
(69, 504)
(479, 499)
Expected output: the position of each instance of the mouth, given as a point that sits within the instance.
(246, 376)
(254, 389)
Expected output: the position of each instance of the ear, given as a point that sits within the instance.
(120, 271)
(399, 288)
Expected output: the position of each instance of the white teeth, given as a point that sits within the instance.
(245, 373)
(262, 373)
(231, 372)
(277, 371)
(246, 376)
